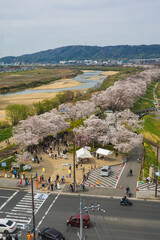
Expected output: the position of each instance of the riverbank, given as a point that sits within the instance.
(30, 98)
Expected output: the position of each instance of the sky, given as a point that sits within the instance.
(29, 26)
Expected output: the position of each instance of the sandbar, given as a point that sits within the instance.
(63, 83)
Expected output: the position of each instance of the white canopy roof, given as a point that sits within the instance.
(83, 153)
(103, 152)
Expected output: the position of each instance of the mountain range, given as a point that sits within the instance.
(82, 52)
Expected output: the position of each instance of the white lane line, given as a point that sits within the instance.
(120, 175)
(4, 197)
(47, 211)
(9, 199)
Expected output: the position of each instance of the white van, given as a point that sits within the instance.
(105, 171)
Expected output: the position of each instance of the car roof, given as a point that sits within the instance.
(105, 167)
(53, 231)
(85, 216)
(4, 220)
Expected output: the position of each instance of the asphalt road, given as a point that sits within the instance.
(137, 222)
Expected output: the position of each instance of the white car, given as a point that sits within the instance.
(7, 226)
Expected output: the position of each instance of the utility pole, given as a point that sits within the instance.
(33, 216)
(156, 169)
(80, 234)
(74, 167)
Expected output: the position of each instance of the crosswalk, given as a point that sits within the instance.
(109, 181)
(147, 186)
(22, 211)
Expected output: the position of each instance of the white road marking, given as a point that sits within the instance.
(21, 214)
(4, 197)
(120, 175)
(47, 211)
(9, 199)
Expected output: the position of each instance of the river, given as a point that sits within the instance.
(85, 79)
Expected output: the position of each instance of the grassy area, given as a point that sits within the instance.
(151, 128)
(15, 81)
(158, 91)
(5, 133)
(146, 101)
(150, 158)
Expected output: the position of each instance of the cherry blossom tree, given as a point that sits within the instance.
(118, 130)
(124, 93)
(78, 110)
(35, 128)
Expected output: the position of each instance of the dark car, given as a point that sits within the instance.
(74, 221)
(50, 234)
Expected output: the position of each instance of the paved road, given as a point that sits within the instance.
(141, 221)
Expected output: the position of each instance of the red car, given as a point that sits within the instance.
(74, 221)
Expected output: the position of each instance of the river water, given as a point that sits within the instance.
(84, 79)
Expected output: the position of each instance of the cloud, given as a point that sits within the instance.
(34, 25)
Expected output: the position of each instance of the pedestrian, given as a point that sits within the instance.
(55, 156)
(38, 160)
(15, 173)
(26, 181)
(23, 174)
(20, 182)
(57, 177)
(71, 187)
(36, 175)
(1, 236)
(29, 235)
(16, 237)
(52, 185)
(83, 187)
(43, 184)
(49, 180)
(9, 237)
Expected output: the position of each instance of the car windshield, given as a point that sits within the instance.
(71, 217)
(9, 223)
(104, 170)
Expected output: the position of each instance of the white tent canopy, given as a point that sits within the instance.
(103, 152)
(83, 153)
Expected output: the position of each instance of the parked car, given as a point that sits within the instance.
(7, 226)
(50, 234)
(105, 171)
(74, 221)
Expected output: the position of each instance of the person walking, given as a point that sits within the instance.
(16, 237)
(8, 237)
(29, 235)
(49, 180)
(83, 187)
(57, 177)
(52, 185)
(1, 236)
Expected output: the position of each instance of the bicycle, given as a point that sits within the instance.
(129, 174)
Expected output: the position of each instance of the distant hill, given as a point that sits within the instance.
(79, 52)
